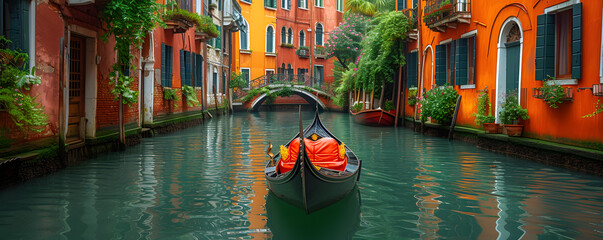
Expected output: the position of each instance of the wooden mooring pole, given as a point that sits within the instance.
(456, 112)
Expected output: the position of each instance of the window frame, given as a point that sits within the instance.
(246, 34)
(248, 75)
(339, 5)
(302, 38)
(319, 3)
(303, 6)
(283, 35)
(290, 36)
(322, 34)
(270, 26)
(558, 36)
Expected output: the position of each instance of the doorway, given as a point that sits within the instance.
(77, 79)
(510, 46)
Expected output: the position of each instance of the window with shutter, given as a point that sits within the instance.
(283, 35)
(412, 70)
(462, 59)
(198, 70)
(270, 40)
(319, 34)
(559, 42)
(15, 23)
(440, 65)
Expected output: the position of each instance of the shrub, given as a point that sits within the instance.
(412, 97)
(552, 93)
(484, 110)
(439, 103)
(389, 105)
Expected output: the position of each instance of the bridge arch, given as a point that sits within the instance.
(309, 97)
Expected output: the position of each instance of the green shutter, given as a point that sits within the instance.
(169, 51)
(219, 38)
(577, 41)
(473, 55)
(440, 71)
(545, 46)
(412, 71)
(452, 62)
(18, 30)
(198, 70)
(163, 61)
(462, 61)
(182, 68)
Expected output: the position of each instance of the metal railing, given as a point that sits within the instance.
(437, 10)
(411, 14)
(284, 78)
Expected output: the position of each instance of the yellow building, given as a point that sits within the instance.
(254, 51)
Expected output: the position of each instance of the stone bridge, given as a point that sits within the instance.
(314, 97)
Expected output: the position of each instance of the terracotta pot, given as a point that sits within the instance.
(491, 128)
(513, 130)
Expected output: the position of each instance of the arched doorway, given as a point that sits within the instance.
(508, 72)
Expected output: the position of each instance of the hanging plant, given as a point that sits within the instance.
(190, 95)
(598, 109)
(23, 109)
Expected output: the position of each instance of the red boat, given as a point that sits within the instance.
(374, 117)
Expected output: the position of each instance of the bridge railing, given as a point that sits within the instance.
(284, 78)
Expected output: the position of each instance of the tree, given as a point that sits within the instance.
(345, 43)
(369, 7)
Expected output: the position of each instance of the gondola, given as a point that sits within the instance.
(374, 117)
(312, 184)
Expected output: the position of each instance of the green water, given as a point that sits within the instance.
(207, 182)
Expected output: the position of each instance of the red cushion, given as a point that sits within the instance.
(323, 153)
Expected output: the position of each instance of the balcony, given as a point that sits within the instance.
(439, 15)
(320, 52)
(303, 52)
(411, 14)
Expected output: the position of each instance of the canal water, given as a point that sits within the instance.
(207, 182)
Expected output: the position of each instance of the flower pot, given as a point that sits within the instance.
(491, 128)
(513, 130)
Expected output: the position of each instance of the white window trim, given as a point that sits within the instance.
(564, 6)
(248, 43)
(446, 41)
(561, 6)
(270, 8)
(273, 39)
(246, 2)
(249, 76)
(292, 36)
(304, 42)
(322, 37)
(32, 33)
(471, 34)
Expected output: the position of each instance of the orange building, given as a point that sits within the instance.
(511, 46)
(287, 37)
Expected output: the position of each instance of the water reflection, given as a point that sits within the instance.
(207, 182)
(338, 221)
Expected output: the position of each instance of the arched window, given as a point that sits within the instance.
(283, 35)
(319, 34)
(290, 36)
(302, 38)
(244, 39)
(270, 39)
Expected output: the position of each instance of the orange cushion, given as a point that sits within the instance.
(323, 153)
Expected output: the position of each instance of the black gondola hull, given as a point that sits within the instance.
(309, 187)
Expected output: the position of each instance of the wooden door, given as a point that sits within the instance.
(77, 75)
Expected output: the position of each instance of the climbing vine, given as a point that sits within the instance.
(129, 21)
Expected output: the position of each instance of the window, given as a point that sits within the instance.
(319, 75)
(465, 57)
(302, 4)
(186, 69)
(283, 35)
(270, 4)
(286, 4)
(246, 75)
(14, 23)
(244, 39)
(166, 65)
(185, 4)
(290, 72)
(198, 67)
(302, 38)
(400, 5)
(319, 34)
(246, 1)
(445, 60)
(559, 42)
(412, 73)
(290, 36)
(340, 5)
(198, 9)
(270, 39)
(318, 3)
(217, 41)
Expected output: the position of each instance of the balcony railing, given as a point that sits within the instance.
(303, 53)
(437, 13)
(320, 52)
(411, 14)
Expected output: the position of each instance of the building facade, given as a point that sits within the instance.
(510, 47)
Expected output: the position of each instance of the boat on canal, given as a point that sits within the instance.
(374, 117)
(313, 173)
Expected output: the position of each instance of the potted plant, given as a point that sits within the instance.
(169, 94)
(412, 97)
(483, 116)
(190, 95)
(510, 114)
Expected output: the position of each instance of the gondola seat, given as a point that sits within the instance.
(324, 153)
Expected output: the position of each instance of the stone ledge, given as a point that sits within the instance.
(551, 153)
